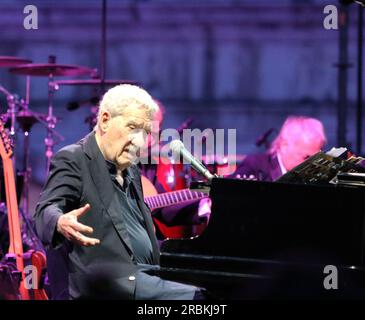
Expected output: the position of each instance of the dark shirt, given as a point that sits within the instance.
(132, 216)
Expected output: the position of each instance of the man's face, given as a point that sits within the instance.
(296, 151)
(124, 135)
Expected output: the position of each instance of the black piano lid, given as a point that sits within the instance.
(286, 222)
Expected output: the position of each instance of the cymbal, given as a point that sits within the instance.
(26, 119)
(47, 69)
(94, 82)
(6, 61)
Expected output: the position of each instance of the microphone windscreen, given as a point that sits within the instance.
(176, 146)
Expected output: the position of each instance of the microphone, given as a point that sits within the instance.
(263, 138)
(177, 146)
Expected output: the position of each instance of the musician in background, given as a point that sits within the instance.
(175, 221)
(299, 138)
(92, 213)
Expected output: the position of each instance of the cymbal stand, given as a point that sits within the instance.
(51, 123)
(14, 102)
(27, 91)
(26, 122)
(11, 112)
(27, 169)
(27, 119)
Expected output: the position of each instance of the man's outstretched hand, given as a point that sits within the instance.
(72, 230)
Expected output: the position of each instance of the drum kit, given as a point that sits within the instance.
(20, 118)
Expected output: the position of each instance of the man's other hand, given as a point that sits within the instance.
(72, 230)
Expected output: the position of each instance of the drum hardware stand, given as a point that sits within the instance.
(12, 101)
(51, 123)
(51, 119)
(18, 110)
(26, 120)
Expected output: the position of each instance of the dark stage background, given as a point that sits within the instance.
(226, 64)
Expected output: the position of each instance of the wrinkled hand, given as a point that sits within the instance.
(71, 229)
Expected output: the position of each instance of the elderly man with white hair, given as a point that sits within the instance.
(91, 214)
(299, 138)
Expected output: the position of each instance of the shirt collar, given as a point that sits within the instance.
(112, 168)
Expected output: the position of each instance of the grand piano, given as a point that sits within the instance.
(299, 237)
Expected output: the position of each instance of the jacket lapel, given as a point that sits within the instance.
(104, 185)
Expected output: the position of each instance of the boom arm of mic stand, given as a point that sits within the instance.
(5, 92)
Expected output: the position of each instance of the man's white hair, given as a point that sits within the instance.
(300, 128)
(118, 98)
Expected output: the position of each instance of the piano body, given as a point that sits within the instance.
(270, 240)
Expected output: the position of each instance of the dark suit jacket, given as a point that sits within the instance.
(264, 167)
(79, 175)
